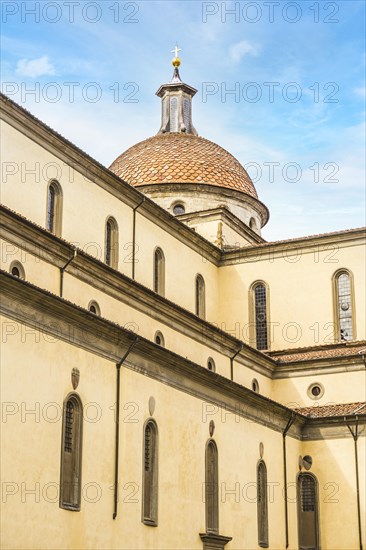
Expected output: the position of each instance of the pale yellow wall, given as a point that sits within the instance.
(37, 270)
(334, 466)
(343, 387)
(300, 294)
(42, 382)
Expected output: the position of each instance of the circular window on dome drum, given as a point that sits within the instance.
(178, 209)
(315, 390)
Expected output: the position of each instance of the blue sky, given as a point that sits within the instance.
(294, 117)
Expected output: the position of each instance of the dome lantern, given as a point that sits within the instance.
(176, 102)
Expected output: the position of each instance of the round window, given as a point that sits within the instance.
(315, 390)
(178, 209)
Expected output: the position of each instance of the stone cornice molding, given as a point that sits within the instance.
(29, 305)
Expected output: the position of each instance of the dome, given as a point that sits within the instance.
(182, 158)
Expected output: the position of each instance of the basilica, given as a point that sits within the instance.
(170, 380)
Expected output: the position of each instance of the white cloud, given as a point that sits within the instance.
(239, 50)
(35, 67)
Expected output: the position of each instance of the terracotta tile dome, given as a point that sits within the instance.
(181, 158)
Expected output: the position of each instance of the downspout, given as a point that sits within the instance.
(134, 237)
(62, 270)
(355, 439)
(232, 362)
(284, 433)
(118, 367)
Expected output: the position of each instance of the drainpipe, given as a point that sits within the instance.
(355, 438)
(232, 362)
(284, 433)
(134, 237)
(118, 367)
(62, 270)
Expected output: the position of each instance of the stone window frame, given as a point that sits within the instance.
(16, 265)
(211, 362)
(111, 242)
(200, 296)
(336, 318)
(159, 334)
(212, 487)
(252, 314)
(95, 305)
(159, 271)
(71, 461)
(150, 478)
(262, 504)
(54, 207)
(299, 499)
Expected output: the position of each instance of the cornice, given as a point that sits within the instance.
(29, 305)
(56, 251)
(224, 215)
(334, 427)
(269, 251)
(46, 246)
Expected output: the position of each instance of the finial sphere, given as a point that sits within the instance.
(176, 62)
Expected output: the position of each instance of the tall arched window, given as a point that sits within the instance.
(262, 505)
(150, 474)
(70, 475)
(54, 208)
(111, 243)
(307, 511)
(212, 488)
(200, 297)
(159, 272)
(259, 316)
(343, 306)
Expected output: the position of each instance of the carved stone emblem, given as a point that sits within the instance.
(151, 405)
(75, 377)
(261, 449)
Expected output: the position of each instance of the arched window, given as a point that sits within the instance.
(150, 474)
(70, 476)
(262, 505)
(17, 270)
(255, 385)
(159, 272)
(93, 307)
(178, 209)
(343, 305)
(211, 364)
(54, 208)
(200, 297)
(307, 511)
(111, 243)
(212, 488)
(159, 339)
(259, 316)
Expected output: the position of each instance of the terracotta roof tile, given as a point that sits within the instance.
(342, 409)
(333, 350)
(182, 158)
